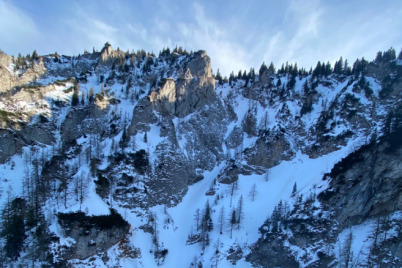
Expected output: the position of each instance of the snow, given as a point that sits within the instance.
(304, 171)
(92, 204)
(11, 178)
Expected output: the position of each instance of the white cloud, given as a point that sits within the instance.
(206, 34)
(302, 31)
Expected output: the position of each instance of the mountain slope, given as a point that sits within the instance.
(156, 157)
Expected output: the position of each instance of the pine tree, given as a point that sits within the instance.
(233, 221)
(207, 220)
(389, 55)
(91, 95)
(13, 227)
(124, 139)
(338, 67)
(271, 67)
(278, 83)
(218, 76)
(34, 55)
(317, 71)
(262, 68)
(74, 99)
(145, 137)
(378, 57)
(252, 75)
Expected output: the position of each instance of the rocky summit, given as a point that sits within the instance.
(128, 159)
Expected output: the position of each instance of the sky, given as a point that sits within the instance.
(237, 35)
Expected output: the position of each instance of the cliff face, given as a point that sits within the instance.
(10, 78)
(367, 183)
(364, 186)
(190, 92)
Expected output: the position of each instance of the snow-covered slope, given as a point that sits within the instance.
(113, 159)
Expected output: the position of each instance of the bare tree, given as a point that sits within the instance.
(221, 221)
(346, 251)
(253, 192)
(239, 211)
(294, 190)
(197, 218)
(266, 176)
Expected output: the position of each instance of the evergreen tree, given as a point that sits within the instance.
(74, 99)
(218, 76)
(328, 69)
(124, 139)
(145, 137)
(34, 55)
(317, 70)
(252, 75)
(278, 83)
(292, 82)
(91, 95)
(295, 70)
(231, 79)
(233, 221)
(239, 75)
(271, 67)
(13, 227)
(378, 58)
(262, 68)
(338, 67)
(346, 68)
(389, 55)
(207, 220)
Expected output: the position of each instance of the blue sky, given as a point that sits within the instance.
(236, 34)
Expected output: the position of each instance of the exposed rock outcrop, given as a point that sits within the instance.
(269, 150)
(92, 234)
(367, 183)
(187, 94)
(9, 145)
(109, 56)
(10, 79)
(364, 185)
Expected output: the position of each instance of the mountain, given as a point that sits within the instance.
(119, 159)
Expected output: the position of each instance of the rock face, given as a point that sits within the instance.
(269, 150)
(92, 235)
(9, 145)
(187, 94)
(367, 183)
(10, 79)
(271, 253)
(145, 128)
(108, 56)
(364, 185)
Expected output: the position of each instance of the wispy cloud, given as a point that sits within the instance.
(206, 34)
(238, 36)
(18, 29)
